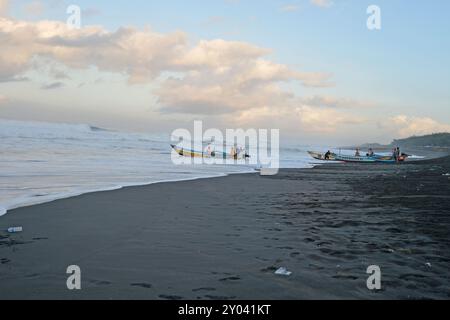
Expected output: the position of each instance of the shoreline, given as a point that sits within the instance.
(224, 237)
(7, 210)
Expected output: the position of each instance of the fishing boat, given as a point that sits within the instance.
(360, 159)
(357, 159)
(321, 156)
(189, 153)
(212, 154)
(370, 159)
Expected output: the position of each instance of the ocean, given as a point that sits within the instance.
(42, 162)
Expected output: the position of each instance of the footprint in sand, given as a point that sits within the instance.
(236, 278)
(142, 285)
(270, 269)
(345, 277)
(219, 297)
(100, 282)
(170, 297)
(203, 289)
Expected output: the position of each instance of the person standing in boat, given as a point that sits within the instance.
(396, 154)
(233, 152)
(357, 153)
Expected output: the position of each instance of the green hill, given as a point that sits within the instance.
(433, 140)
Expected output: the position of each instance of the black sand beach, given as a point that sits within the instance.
(223, 238)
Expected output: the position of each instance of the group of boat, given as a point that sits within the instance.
(374, 158)
(240, 153)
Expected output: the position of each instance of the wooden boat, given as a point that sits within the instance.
(361, 159)
(376, 158)
(321, 156)
(370, 159)
(198, 154)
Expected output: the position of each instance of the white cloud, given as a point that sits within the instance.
(141, 55)
(322, 3)
(335, 102)
(410, 126)
(216, 76)
(326, 120)
(231, 81)
(53, 85)
(3, 7)
(289, 8)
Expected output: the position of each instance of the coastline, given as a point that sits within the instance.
(223, 238)
(41, 199)
(6, 210)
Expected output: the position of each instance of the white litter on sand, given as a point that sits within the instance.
(283, 272)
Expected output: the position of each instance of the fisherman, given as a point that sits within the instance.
(398, 154)
(370, 153)
(328, 155)
(233, 153)
(357, 154)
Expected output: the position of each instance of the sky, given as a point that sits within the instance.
(310, 68)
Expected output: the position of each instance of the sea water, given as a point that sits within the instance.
(42, 162)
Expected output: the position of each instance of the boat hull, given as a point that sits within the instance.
(355, 159)
(197, 154)
(373, 159)
(321, 156)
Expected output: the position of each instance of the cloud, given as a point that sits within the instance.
(4, 4)
(141, 55)
(54, 85)
(326, 120)
(289, 8)
(3, 99)
(214, 76)
(334, 102)
(322, 3)
(297, 120)
(410, 126)
(230, 81)
(14, 79)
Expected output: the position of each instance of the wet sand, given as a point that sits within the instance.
(223, 238)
